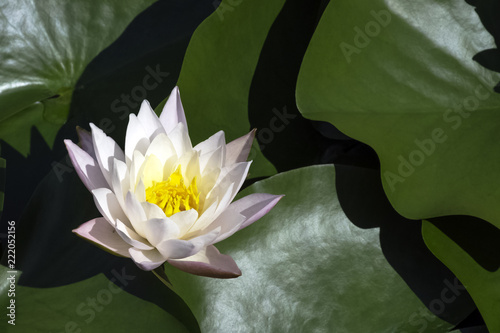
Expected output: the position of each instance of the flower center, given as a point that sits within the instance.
(172, 195)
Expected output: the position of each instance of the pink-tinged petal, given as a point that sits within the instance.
(131, 237)
(101, 233)
(159, 230)
(86, 142)
(146, 260)
(136, 138)
(180, 139)
(173, 112)
(108, 205)
(254, 206)
(106, 150)
(208, 262)
(179, 248)
(238, 150)
(86, 167)
(212, 143)
(149, 120)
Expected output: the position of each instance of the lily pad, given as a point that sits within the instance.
(44, 47)
(306, 268)
(93, 305)
(400, 78)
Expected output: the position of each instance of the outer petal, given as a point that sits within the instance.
(146, 260)
(208, 262)
(254, 206)
(106, 150)
(149, 120)
(101, 233)
(238, 150)
(86, 141)
(173, 112)
(86, 167)
(108, 205)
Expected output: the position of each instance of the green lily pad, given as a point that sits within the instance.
(217, 72)
(44, 47)
(306, 268)
(400, 77)
(482, 284)
(92, 305)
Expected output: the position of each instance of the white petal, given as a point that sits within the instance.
(131, 237)
(135, 167)
(140, 191)
(173, 112)
(238, 150)
(213, 160)
(86, 167)
(190, 166)
(152, 170)
(135, 213)
(205, 219)
(149, 120)
(101, 233)
(230, 176)
(153, 211)
(208, 262)
(146, 260)
(184, 220)
(159, 230)
(212, 143)
(120, 181)
(180, 139)
(108, 205)
(106, 150)
(229, 221)
(178, 248)
(163, 149)
(136, 138)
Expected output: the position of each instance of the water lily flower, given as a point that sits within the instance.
(163, 200)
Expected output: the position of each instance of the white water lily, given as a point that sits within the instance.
(163, 199)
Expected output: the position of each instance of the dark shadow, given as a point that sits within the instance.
(480, 239)
(489, 11)
(471, 324)
(364, 202)
(286, 138)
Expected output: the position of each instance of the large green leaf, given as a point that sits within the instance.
(482, 284)
(390, 74)
(93, 305)
(44, 47)
(218, 68)
(306, 268)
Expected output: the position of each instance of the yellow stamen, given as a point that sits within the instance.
(172, 195)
